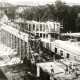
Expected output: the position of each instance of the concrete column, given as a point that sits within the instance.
(45, 27)
(42, 27)
(35, 29)
(28, 51)
(49, 37)
(28, 26)
(23, 49)
(38, 71)
(11, 40)
(16, 44)
(39, 29)
(20, 48)
(3, 37)
(42, 30)
(7, 38)
(53, 58)
(49, 26)
(26, 48)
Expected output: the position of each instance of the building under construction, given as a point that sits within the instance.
(37, 43)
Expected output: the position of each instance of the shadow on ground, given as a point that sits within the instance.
(2, 75)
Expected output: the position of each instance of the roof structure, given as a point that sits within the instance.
(71, 34)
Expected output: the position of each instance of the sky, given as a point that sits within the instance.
(38, 1)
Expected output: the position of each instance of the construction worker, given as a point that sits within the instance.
(52, 73)
(76, 72)
(67, 69)
(52, 70)
(70, 67)
(25, 60)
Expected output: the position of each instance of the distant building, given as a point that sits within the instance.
(20, 10)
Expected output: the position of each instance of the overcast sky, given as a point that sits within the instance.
(38, 1)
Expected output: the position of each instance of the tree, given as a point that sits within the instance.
(60, 12)
(60, 8)
(10, 12)
(49, 12)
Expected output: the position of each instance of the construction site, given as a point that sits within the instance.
(32, 50)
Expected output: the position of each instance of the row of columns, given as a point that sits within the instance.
(17, 44)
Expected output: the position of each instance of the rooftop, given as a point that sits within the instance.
(69, 46)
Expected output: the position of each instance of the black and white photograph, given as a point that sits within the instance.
(39, 39)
